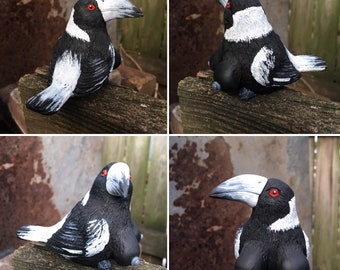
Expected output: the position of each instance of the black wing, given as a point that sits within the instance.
(94, 72)
(285, 73)
(80, 239)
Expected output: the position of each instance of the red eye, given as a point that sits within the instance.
(228, 5)
(104, 173)
(91, 7)
(274, 192)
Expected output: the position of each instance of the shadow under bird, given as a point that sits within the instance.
(99, 227)
(252, 58)
(83, 56)
(272, 238)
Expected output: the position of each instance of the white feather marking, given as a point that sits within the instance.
(281, 79)
(237, 242)
(263, 64)
(40, 233)
(85, 199)
(73, 251)
(307, 244)
(306, 63)
(98, 236)
(75, 31)
(288, 222)
(65, 78)
(248, 24)
(112, 51)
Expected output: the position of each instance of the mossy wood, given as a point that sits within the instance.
(41, 258)
(283, 111)
(112, 109)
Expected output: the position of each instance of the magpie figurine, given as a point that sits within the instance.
(83, 56)
(252, 59)
(99, 227)
(272, 238)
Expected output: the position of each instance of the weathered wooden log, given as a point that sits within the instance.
(283, 111)
(112, 109)
(11, 115)
(36, 257)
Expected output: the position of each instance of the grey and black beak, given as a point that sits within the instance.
(115, 9)
(118, 180)
(244, 188)
(224, 3)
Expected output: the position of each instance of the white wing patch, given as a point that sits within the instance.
(307, 244)
(290, 221)
(112, 51)
(73, 251)
(250, 23)
(237, 242)
(85, 199)
(74, 30)
(98, 236)
(263, 64)
(65, 78)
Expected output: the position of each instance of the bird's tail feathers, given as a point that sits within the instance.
(35, 233)
(307, 63)
(50, 100)
(39, 233)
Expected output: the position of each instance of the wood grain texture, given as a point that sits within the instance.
(311, 33)
(283, 111)
(326, 204)
(112, 109)
(146, 35)
(155, 212)
(40, 258)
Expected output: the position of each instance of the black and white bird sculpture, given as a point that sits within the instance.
(99, 227)
(272, 238)
(252, 59)
(83, 56)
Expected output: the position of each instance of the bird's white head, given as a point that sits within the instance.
(118, 180)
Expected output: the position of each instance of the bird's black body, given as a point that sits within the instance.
(260, 249)
(96, 59)
(233, 70)
(97, 229)
(272, 238)
(83, 56)
(252, 59)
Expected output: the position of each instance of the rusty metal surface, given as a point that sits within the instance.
(29, 32)
(202, 229)
(25, 197)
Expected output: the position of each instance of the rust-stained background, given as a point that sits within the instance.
(41, 179)
(202, 229)
(21, 198)
(29, 30)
